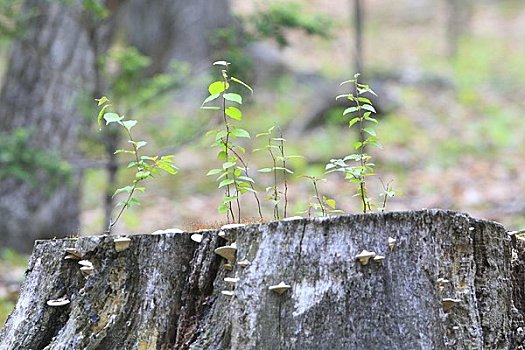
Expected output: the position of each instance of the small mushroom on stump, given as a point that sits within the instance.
(379, 259)
(365, 256)
(449, 303)
(392, 243)
(196, 237)
(228, 293)
(231, 280)
(72, 254)
(244, 263)
(228, 251)
(58, 302)
(280, 288)
(121, 243)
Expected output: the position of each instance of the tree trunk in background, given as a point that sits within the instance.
(50, 70)
(458, 20)
(164, 291)
(358, 36)
(175, 29)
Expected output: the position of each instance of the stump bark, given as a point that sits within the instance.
(164, 291)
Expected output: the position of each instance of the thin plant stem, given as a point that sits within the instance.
(275, 189)
(226, 142)
(245, 166)
(281, 148)
(134, 187)
(362, 185)
(314, 181)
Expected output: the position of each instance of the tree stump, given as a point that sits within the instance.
(448, 281)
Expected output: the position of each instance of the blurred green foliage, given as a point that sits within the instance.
(271, 23)
(9, 261)
(21, 160)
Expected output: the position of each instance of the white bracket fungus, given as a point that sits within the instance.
(379, 259)
(280, 288)
(58, 302)
(365, 256)
(121, 243)
(244, 263)
(196, 237)
(228, 293)
(391, 243)
(231, 280)
(449, 303)
(72, 254)
(228, 251)
(87, 267)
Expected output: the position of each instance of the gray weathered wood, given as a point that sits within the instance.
(164, 292)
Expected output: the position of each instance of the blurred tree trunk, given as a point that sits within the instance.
(458, 20)
(175, 29)
(358, 36)
(51, 69)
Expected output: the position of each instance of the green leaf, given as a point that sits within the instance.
(369, 108)
(112, 118)
(246, 178)
(237, 132)
(358, 145)
(263, 134)
(373, 120)
(353, 121)
(342, 96)
(330, 202)
(141, 175)
(233, 97)
(364, 100)
(138, 144)
(234, 113)
(123, 151)
(227, 165)
(283, 169)
(217, 87)
(167, 167)
(265, 170)
(221, 63)
(214, 172)
(370, 131)
(101, 113)
(126, 189)
(226, 182)
(223, 208)
(102, 100)
(132, 202)
(221, 134)
(128, 124)
(241, 149)
(213, 108)
(221, 155)
(350, 110)
(242, 83)
(210, 98)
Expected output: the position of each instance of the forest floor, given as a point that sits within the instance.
(457, 145)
